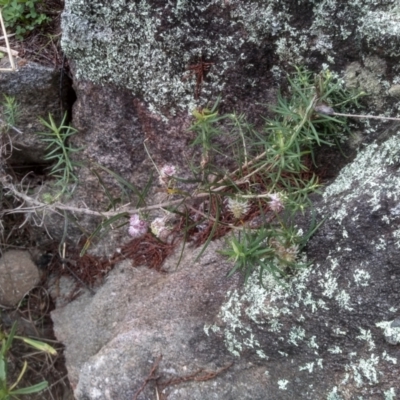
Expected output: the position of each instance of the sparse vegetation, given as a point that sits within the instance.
(248, 185)
(22, 16)
(9, 390)
(266, 181)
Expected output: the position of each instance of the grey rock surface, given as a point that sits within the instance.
(140, 314)
(18, 275)
(113, 126)
(113, 129)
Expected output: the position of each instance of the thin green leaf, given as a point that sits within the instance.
(214, 228)
(106, 191)
(38, 345)
(31, 389)
(3, 371)
(10, 338)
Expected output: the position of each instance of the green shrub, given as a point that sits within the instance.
(59, 152)
(22, 16)
(248, 181)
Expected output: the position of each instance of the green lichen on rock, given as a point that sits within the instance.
(287, 315)
(147, 46)
(382, 29)
(368, 78)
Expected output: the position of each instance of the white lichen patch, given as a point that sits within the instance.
(390, 394)
(364, 371)
(275, 302)
(147, 47)
(258, 304)
(296, 334)
(214, 328)
(396, 236)
(392, 334)
(361, 277)
(366, 335)
(282, 384)
(308, 367)
(333, 395)
(261, 354)
(338, 331)
(329, 284)
(387, 357)
(378, 26)
(335, 350)
(313, 343)
(363, 177)
(380, 244)
(343, 299)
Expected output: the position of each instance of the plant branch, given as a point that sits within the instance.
(12, 127)
(365, 116)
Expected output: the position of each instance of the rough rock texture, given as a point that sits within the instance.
(113, 129)
(329, 333)
(368, 78)
(113, 126)
(18, 275)
(153, 48)
(139, 314)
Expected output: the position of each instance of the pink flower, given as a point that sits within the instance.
(276, 203)
(168, 170)
(137, 227)
(166, 173)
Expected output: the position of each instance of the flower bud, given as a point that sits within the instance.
(159, 227)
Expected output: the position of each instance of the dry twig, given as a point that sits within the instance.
(8, 49)
(198, 376)
(149, 377)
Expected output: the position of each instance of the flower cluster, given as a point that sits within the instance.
(238, 207)
(276, 203)
(137, 227)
